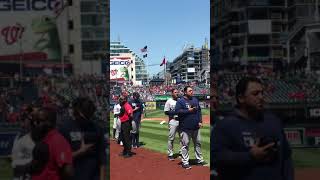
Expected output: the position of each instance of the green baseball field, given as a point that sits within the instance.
(155, 135)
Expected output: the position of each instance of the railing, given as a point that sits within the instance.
(298, 27)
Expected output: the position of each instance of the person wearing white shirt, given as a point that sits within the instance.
(22, 149)
(173, 123)
(116, 121)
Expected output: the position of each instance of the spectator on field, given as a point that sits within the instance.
(250, 143)
(190, 122)
(88, 141)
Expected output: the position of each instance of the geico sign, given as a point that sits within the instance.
(119, 62)
(29, 5)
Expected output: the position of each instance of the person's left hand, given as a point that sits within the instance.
(200, 125)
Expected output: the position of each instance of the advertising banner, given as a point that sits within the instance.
(119, 69)
(295, 136)
(29, 30)
(314, 112)
(313, 132)
(6, 143)
(162, 97)
(151, 106)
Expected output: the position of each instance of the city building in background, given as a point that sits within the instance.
(192, 65)
(94, 35)
(277, 41)
(274, 33)
(141, 71)
(59, 37)
(125, 65)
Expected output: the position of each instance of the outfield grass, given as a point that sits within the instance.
(5, 169)
(306, 157)
(155, 137)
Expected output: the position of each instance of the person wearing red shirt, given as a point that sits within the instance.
(54, 154)
(125, 117)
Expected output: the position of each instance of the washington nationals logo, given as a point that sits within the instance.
(11, 34)
(114, 72)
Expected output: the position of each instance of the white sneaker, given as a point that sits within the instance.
(121, 144)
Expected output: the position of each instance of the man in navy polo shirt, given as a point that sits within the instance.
(250, 144)
(88, 141)
(190, 122)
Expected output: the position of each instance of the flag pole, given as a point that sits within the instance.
(164, 71)
(147, 66)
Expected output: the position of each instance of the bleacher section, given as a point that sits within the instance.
(284, 91)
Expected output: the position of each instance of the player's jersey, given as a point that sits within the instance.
(116, 109)
(170, 106)
(22, 154)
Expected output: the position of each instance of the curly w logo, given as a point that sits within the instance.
(11, 34)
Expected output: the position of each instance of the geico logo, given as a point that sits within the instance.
(28, 5)
(119, 63)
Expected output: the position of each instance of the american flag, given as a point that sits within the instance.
(144, 49)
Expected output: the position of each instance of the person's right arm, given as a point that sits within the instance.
(220, 149)
(82, 150)
(180, 110)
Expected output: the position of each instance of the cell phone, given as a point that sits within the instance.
(267, 140)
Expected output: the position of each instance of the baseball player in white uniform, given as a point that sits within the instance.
(169, 109)
(116, 121)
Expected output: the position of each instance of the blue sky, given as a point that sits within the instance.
(165, 26)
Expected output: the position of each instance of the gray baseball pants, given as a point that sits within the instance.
(185, 140)
(173, 129)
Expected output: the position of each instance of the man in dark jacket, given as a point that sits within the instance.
(137, 107)
(190, 121)
(88, 141)
(250, 144)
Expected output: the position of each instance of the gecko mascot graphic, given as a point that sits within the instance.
(49, 41)
(124, 73)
